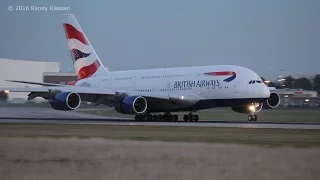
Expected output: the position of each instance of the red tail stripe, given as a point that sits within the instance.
(221, 73)
(73, 33)
(88, 71)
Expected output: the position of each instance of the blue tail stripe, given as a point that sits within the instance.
(78, 54)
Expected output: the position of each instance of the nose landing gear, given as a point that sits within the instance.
(252, 117)
(254, 107)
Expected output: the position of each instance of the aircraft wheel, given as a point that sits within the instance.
(185, 117)
(144, 117)
(171, 117)
(255, 117)
(139, 117)
(154, 118)
(166, 117)
(191, 117)
(175, 117)
(250, 117)
(160, 117)
(148, 117)
(196, 118)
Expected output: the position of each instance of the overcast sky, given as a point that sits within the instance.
(263, 35)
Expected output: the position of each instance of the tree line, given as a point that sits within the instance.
(299, 83)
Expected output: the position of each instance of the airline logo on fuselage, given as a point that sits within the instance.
(223, 73)
(206, 83)
(199, 83)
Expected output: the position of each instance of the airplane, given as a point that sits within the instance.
(152, 94)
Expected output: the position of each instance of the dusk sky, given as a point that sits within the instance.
(263, 35)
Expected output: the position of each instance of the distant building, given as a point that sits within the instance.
(59, 77)
(25, 71)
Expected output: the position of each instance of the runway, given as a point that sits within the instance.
(49, 116)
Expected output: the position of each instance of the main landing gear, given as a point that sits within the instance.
(191, 117)
(252, 117)
(167, 117)
(159, 117)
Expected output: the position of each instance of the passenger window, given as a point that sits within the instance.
(250, 82)
(258, 81)
(253, 82)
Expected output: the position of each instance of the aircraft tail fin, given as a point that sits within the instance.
(86, 61)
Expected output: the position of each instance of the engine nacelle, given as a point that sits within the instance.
(131, 105)
(273, 101)
(255, 107)
(65, 101)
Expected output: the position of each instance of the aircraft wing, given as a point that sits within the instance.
(37, 83)
(108, 97)
(86, 94)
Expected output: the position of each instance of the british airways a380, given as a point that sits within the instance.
(152, 94)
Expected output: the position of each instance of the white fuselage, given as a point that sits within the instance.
(186, 80)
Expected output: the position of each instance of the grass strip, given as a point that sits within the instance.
(264, 137)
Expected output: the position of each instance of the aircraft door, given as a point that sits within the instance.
(236, 87)
(109, 80)
(202, 90)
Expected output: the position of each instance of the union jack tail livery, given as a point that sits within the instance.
(86, 61)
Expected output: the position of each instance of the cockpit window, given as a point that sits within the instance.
(255, 81)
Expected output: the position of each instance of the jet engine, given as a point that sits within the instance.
(254, 107)
(273, 101)
(65, 101)
(131, 105)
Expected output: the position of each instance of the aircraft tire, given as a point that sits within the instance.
(136, 117)
(154, 118)
(196, 118)
(185, 117)
(175, 117)
(191, 117)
